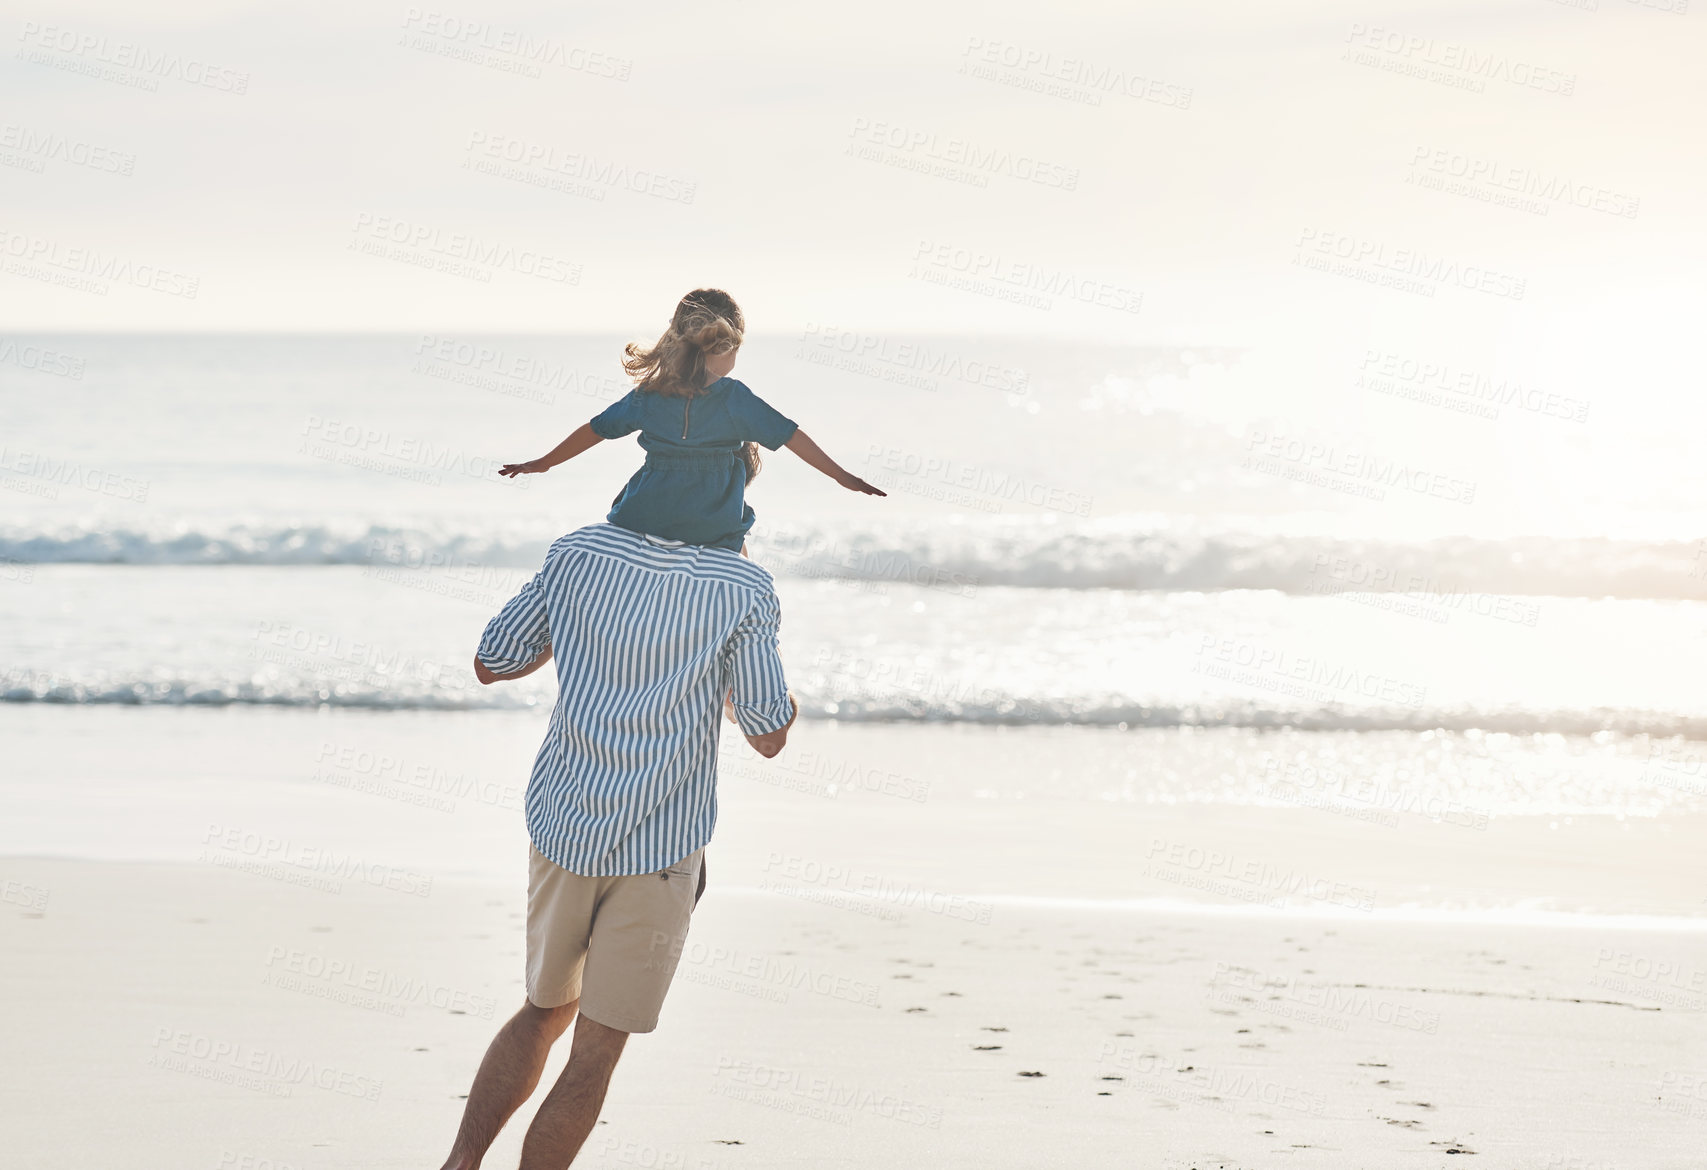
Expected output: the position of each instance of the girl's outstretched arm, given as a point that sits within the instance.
(802, 445)
(576, 443)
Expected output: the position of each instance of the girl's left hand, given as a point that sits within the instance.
(515, 469)
(855, 484)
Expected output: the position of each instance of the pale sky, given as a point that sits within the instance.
(1237, 131)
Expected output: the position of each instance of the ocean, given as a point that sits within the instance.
(1104, 578)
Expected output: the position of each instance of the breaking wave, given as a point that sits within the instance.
(966, 557)
(450, 689)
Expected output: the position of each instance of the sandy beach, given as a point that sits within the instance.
(186, 1016)
(1232, 488)
(920, 946)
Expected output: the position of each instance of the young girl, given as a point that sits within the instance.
(700, 430)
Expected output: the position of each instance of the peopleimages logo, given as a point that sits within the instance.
(1419, 54)
(1070, 78)
(988, 483)
(1220, 872)
(788, 1088)
(1495, 176)
(974, 158)
(470, 249)
(49, 473)
(950, 263)
(1372, 260)
(865, 352)
(87, 268)
(263, 1069)
(1437, 382)
(363, 985)
(43, 147)
(1314, 676)
(95, 51)
(492, 153)
(357, 444)
(43, 360)
(232, 846)
(514, 50)
(1267, 449)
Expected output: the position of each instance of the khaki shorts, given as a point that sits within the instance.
(611, 942)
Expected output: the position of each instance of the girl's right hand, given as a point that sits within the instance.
(515, 469)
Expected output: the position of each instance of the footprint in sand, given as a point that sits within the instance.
(1031, 1073)
(986, 1048)
(1453, 1147)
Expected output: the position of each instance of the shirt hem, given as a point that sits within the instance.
(600, 871)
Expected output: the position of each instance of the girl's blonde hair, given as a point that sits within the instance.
(706, 321)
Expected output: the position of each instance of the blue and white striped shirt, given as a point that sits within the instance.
(647, 635)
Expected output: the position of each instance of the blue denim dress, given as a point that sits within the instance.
(693, 484)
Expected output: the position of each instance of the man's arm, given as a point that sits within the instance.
(771, 743)
(759, 696)
(518, 641)
(488, 676)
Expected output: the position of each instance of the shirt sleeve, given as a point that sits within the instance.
(757, 420)
(620, 418)
(520, 633)
(760, 692)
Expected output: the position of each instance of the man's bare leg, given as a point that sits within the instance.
(570, 1110)
(507, 1078)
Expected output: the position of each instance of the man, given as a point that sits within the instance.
(649, 636)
